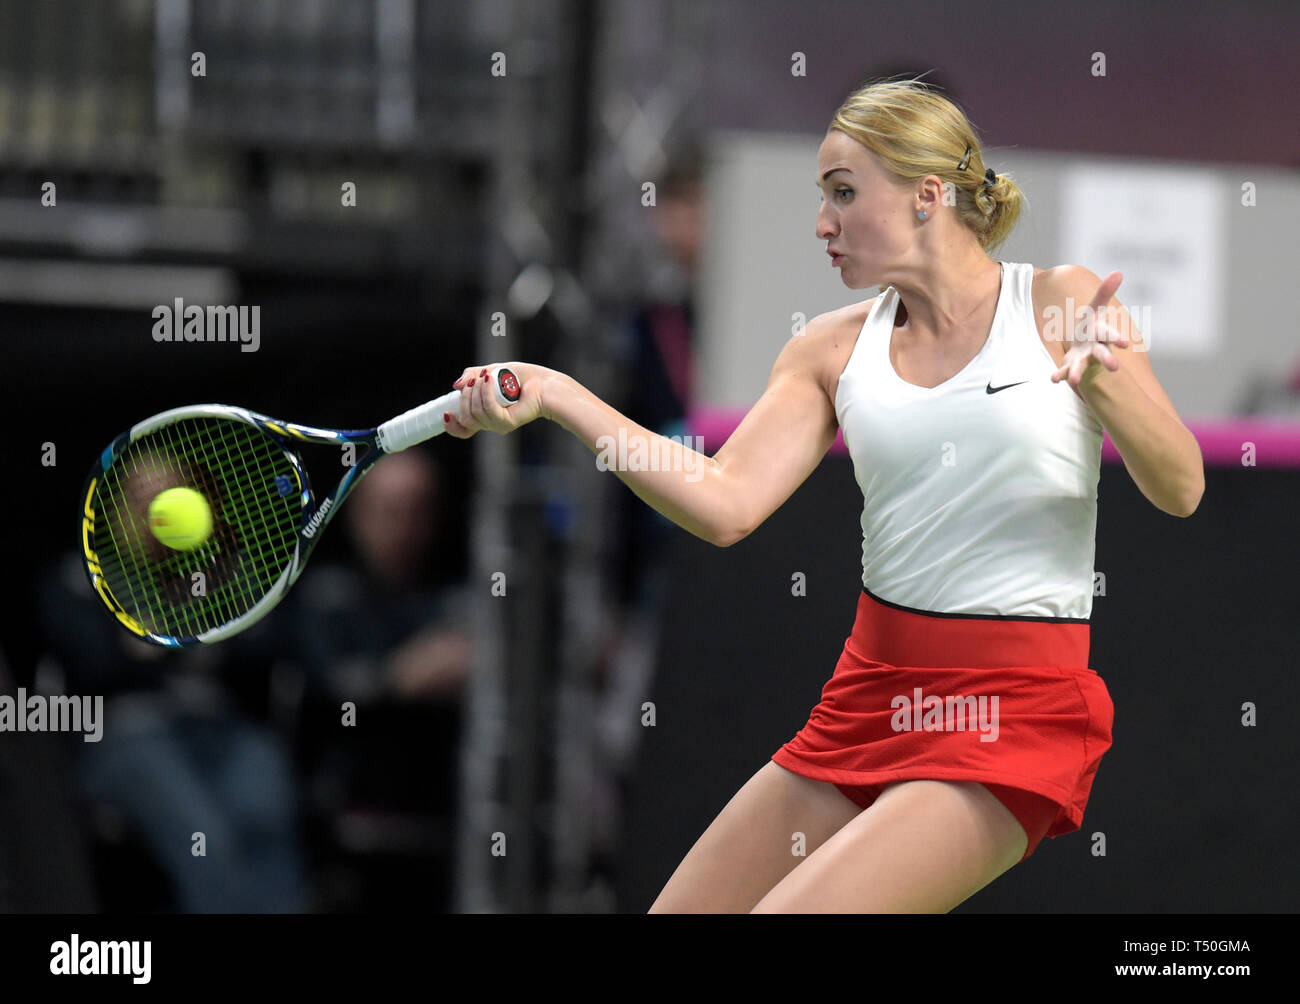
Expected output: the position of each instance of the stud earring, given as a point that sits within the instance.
(920, 214)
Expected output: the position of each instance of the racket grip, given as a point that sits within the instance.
(425, 421)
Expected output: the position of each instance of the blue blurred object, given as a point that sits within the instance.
(561, 515)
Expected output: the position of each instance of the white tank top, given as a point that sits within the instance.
(978, 497)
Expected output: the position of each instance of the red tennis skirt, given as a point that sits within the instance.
(1010, 703)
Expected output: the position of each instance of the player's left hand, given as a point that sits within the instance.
(1095, 332)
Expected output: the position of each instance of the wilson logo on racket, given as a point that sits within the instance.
(314, 523)
(261, 540)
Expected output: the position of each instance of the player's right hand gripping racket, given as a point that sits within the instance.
(265, 521)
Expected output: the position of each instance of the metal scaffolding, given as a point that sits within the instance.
(577, 133)
(239, 166)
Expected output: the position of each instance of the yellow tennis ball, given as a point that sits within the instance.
(181, 518)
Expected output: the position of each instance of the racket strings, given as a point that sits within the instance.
(241, 472)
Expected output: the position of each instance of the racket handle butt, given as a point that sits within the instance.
(425, 421)
(507, 388)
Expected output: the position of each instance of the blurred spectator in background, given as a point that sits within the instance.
(658, 344)
(45, 862)
(179, 755)
(656, 351)
(389, 634)
(387, 626)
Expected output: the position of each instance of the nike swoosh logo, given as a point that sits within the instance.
(990, 389)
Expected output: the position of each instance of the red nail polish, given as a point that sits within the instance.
(446, 417)
(471, 383)
(483, 374)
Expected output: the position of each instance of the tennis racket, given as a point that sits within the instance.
(265, 519)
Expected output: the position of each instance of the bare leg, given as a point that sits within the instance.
(751, 845)
(922, 847)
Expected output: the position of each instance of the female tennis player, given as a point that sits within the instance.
(962, 723)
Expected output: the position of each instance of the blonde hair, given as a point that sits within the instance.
(914, 131)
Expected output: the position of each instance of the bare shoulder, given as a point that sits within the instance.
(1051, 287)
(831, 337)
(1061, 277)
(1054, 285)
(1045, 280)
